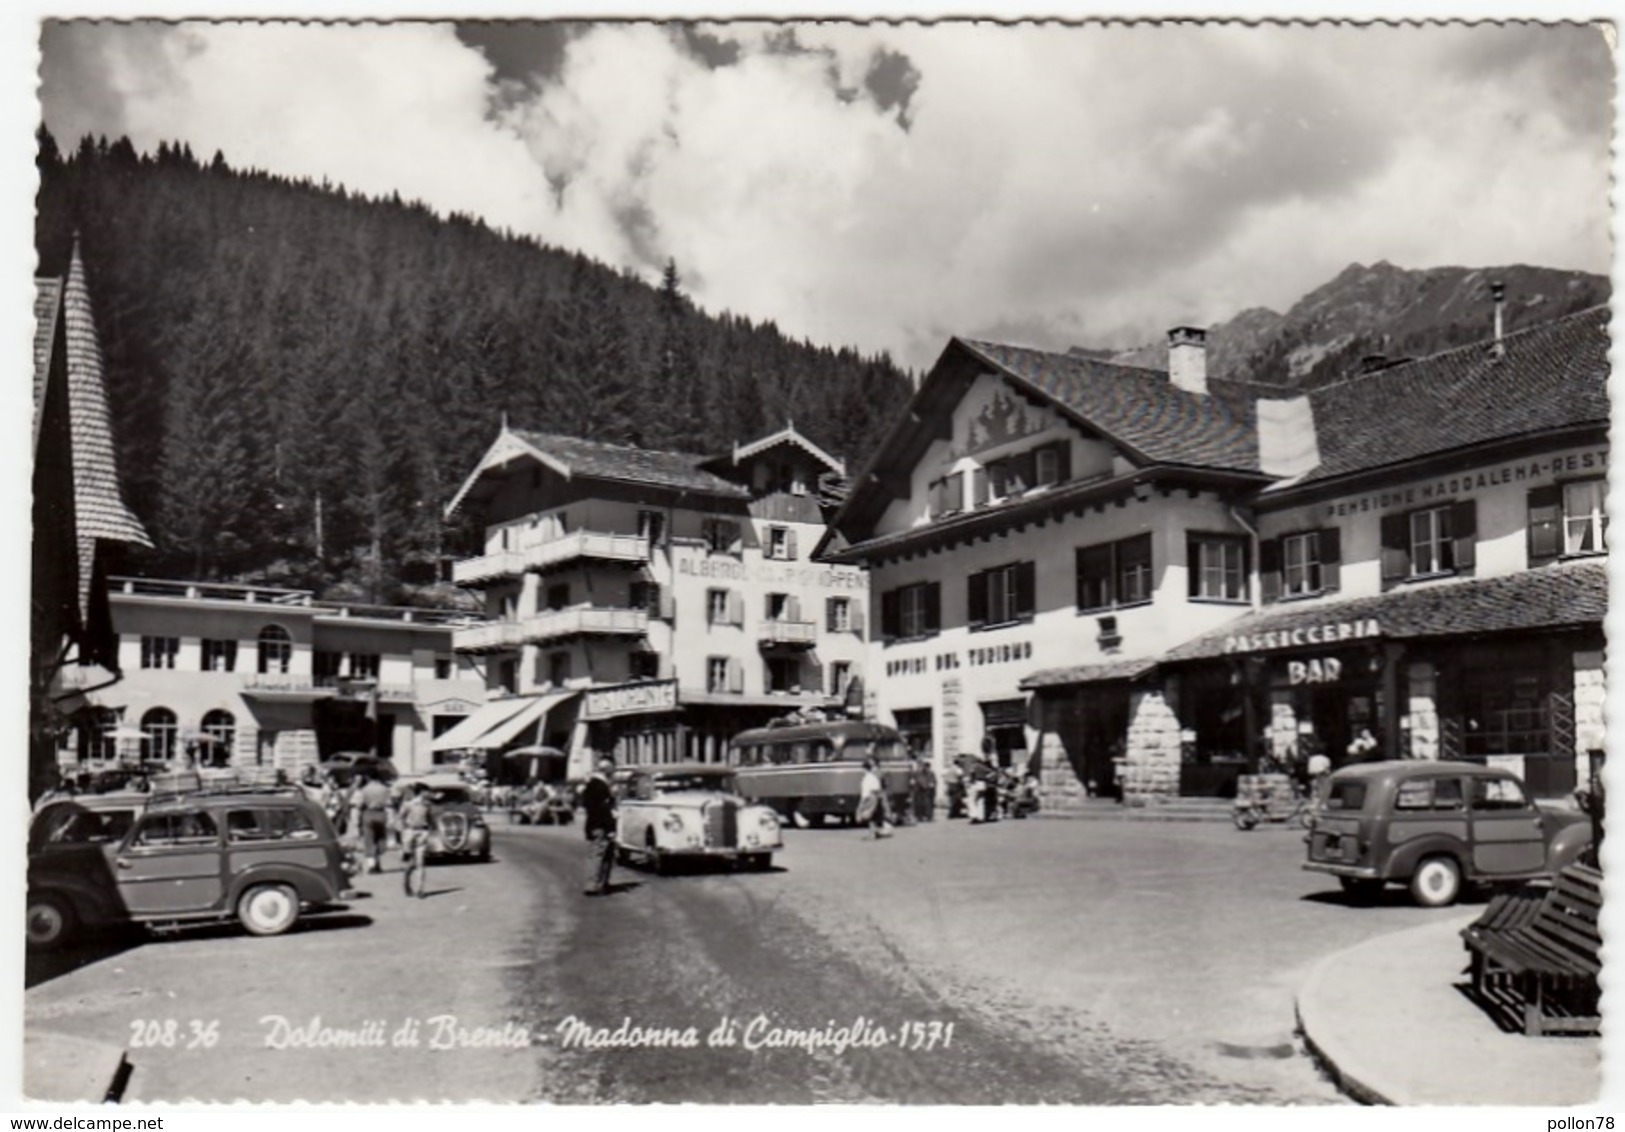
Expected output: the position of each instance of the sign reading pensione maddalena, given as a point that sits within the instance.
(629, 699)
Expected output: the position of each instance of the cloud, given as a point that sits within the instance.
(885, 186)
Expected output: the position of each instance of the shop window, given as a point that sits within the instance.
(1300, 565)
(1114, 574)
(219, 656)
(275, 650)
(1001, 596)
(1216, 566)
(1429, 542)
(1506, 715)
(910, 612)
(159, 652)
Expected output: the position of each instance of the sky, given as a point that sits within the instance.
(885, 186)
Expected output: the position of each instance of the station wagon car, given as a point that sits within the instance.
(460, 829)
(1436, 826)
(672, 812)
(263, 857)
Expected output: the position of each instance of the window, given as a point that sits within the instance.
(1052, 463)
(645, 595)
(1498, 794)
(508, 675)
(781, 543)
(558, 668)
(1429, 542)
(643, 665)
(219, 656)
(363, 666)
(840, 675)
(911, 611)
(158, 732)
(558, 596)
(325, 665)
(280, 824)
(1429, 794)
(159, 652)
(1000, 596)
(948, 494)
(275, 650)
(652, 526)
(838, 614)
(783, 674)
(721, 536)
(444, 666)
(1217, 566)
(1114, 574)
(1585, 516)
(1009, 477)
(1301, 564)
(167, 830)
(219, 733)
(716, 674)
(717, 607)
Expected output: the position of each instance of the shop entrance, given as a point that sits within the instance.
(1092, 725)
(1004, 734)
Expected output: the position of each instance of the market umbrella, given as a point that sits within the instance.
(535, 759)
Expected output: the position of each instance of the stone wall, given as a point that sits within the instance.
(1151, 764)
(1420, 724)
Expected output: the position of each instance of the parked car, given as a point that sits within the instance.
(672, 812)
(1436, 826)
(263, 857)
(64, 822)
(460, 827)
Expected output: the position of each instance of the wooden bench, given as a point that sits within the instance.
(1542, 944)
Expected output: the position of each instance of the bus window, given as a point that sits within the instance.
(823, 751)
(747, 756)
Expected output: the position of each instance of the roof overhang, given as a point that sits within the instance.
(499, 461)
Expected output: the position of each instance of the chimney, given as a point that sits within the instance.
(1498, 292)
(1187, 359)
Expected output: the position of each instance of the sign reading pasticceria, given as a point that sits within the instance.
(626, 699)
(1299, 636)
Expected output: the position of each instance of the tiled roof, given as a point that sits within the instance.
(596, 460)
(1140, 408)
(99, 509)
(1552, 376)
(1562, 595)
(1131, 669)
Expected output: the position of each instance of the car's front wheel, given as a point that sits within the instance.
(51, 922)
(268, 909)
(1436, 882)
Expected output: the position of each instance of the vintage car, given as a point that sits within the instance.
(668, 813)
(261, 856)
(1436, 826)
(460, 827)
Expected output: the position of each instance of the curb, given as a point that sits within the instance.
(61, 1068)
(1333, 1064)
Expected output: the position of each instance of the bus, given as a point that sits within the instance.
(811, 772)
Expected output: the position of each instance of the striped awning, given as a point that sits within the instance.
(515, 726)
(462, 736)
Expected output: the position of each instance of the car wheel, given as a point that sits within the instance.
(1361, 890)
(268, 909)
(1245, 819)
(51, 922)
(1436, 882)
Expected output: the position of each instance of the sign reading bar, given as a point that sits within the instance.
(627, 699)
(1328, 633)
(1315, 670)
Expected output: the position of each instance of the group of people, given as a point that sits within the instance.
(369, 809)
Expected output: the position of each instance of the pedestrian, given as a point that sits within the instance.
(872, 809)
(417, 818)
(925, 794)
(598, 799)
(372, 801)
(954, 780)
(1365, 748)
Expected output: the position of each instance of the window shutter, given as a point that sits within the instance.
(793, 608)
(736, 608)
(736, 675)
(663, 666)
(934, 496)
(856, 613)
(829, 615)
(976, 599)
(767, 607)
(978, 482)
(790, 543)
(1545, 523)
(1026, 589)
(1464, 529)
(1331, 559)
(1063, 460)
(1396, 548)
(1269, 569)
(890, 614)
(933, 607)
(954, 491)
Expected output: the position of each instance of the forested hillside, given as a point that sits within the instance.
(300, 378)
